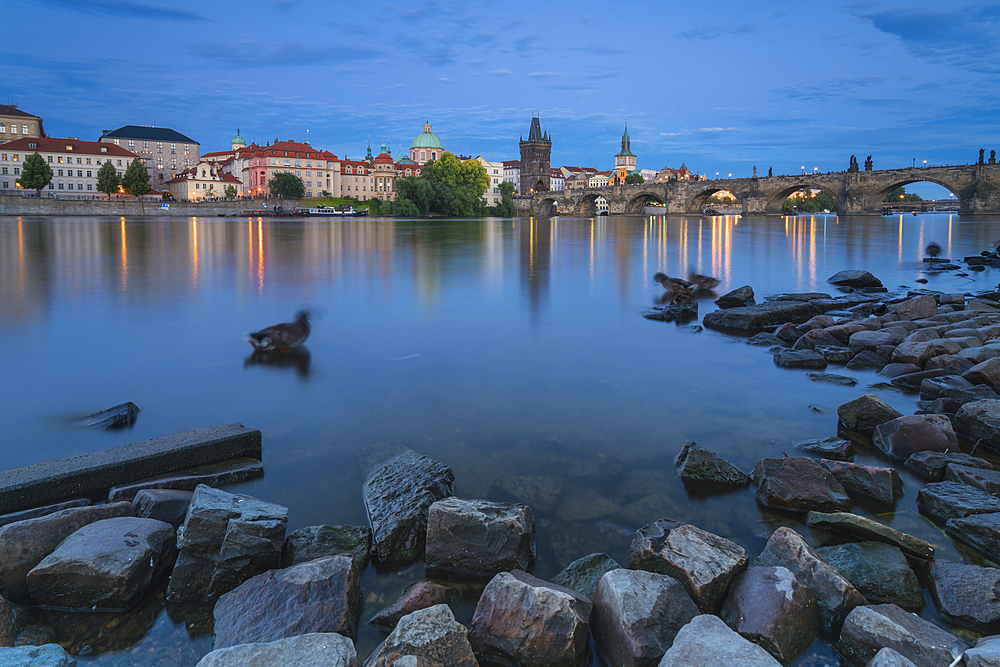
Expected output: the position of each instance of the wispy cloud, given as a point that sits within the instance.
(258, 53)
(501, 71)
(122, 8)
(714, 30)
(539, 75)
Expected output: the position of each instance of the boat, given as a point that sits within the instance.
(339, 211)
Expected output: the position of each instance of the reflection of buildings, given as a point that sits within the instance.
(534, 238)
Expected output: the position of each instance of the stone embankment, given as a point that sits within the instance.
(16, 205)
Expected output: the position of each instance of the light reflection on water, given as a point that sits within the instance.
(501, 347)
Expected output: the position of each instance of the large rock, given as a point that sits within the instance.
(739, 297)
(318, 541)
(866, 360)
(800, 484)
(854, 278)
(937, 387)
(110, 564)
(867, 529)
(872, 341)
(522, 620)
(904, 436)
(889, 658)
(932, 465)
(214, 474)
(879, 571)
(835, 595)
(637, 614)
(770, 607)
(47, 655)
(311, 650)
(479, 536)
(226, 539)
(948, 362)
(583, 574)
(703, 562)
(707, 640)
(954, 500)
(24, 544)
(421, 595)
(979, 422)
(981, 531)
(966, 594)
(882, 484)
(917, 308)
(868, 629)
(163, 505)
(754, 319)
(829, 448)
(814, 339)
(985, 654)
(981, 478)
(700, 466)
(8, 624)
(799, 359)
(986, 372)
(432, 635)
(36, 512)
(322, 595)
(863, 414)
(398, 493)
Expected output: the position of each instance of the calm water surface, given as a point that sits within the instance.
(500, 347)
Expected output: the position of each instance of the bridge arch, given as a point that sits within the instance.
(875, 200)
(637, 202)
(546, 207)
(700, 200)
(777, 199)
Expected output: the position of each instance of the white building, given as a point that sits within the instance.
(495, 170)
(556, 180)
(74, 163)
(512, 173)
(206, 180)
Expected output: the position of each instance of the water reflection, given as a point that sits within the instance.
(296, 358)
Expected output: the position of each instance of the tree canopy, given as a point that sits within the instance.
(136, 179)
(107, 178)
(810, 202)
(900, 194)
(447, 186)
(287, 184)
(231, 190)
(35, 174)
(634, 179)
(505, 209)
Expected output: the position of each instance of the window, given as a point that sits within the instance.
(24, 129)
(3, 156)
(298, 173)
(90, 187)
(13, 129)
(88, 174)
(58, 174)
(104, 149)
(4, 170)
(60, 186)
(3, 130)
(60, 159)
(32, 145)
(6, 185)
(145, 144)
(88, 160)
(17, 171)
(79, 173)
(16, 157)
(309, 184)
(119, 163)
(79, 160)
(298, 163)
(51, 186)
(116, 142)
(69, 187)
(131, 143)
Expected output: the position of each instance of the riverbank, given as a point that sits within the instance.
(17, 205)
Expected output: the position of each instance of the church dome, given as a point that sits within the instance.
(238, 140)
(427, 139)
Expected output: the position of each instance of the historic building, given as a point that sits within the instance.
(556, 180)
(426, 146)
(624, 161)
(74, 163)
(495, 171)
(357, 179)
(535, 156)
(383, 172)
(512, 173)
(319, 170)
(203, 181)
(17, 124)
(164, 152)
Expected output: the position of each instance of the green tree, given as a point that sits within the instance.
(900, 194)
(505, 208)
(35, 174)
(810, 202)
(231, 190)
(288, 185)
(210, 192)
(107, 178)
(634, 179)
(136, 179)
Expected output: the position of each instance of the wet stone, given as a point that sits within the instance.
(799, 484)
(914, 353)
(583, 574)
(163, 505)
(118, 416)
(986, 372)
(835, 354)
(765, 340)
(979, 422)
(867, 529)
(707, 640)
(215, 474)
(832, 378)
(539, 492)
(863, 414)
(981, 531)
(894, 370)
(314, 542)
(420, 595)
(917, 308)
(981, 478)
(36, 512)
(985, 654)
(871, 340)
(479, 536)
(800, 359)
(49, 655)
(879, 571)
(889, 658)
(324, 649)
(912, 381)
(932, 465)
(932, 388)
(966, 594)
(947, 362)
(431, 635)
(867, 360)
(882, 484)
(854, 278)
(901, 437)
(741, 296)
(868, 629)
(8, 624)
(698, 465)
(814, 338)
(953, 500)
(830, 448)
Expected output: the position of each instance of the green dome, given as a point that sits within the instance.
(238, 141)
(427, 139)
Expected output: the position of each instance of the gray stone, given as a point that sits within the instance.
(931, 388)
(985, 654)
(863, 414)
(540, 492)
(8, 624)
(868, 629)
(833, 378)
(421, 595)
(325, 649)
(226, 539)
(835, 354)
(882, 484)
(917, 308)
(523, 620)
(987, 372)
(889, 658)
(48, 655)
(479, 536)
(117, 416)
(854, 278)
(699, 465)
(901, 437)
(966, 594)
(754, 319)
(163, 505)
(979, 422)
(867, 529)
(954, 500)
(318, 541)
(981, 531)
(707, 640)
(814, 339)
(739, 297)
(431, 635)
(679, 312)
(36, 512)
(948, 362)
(799, 484)
(894, 370)
(981, 478)
(637, 614)
(213, 474)
(583, 574)
(912, 381)
(829, 448)
(799, 359)
(765, 340)
(932, 465)
(867, 360)
(879, 571)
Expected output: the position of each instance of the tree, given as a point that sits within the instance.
(136, 180)
(634, 179)
(35, 174)
(231, 190)
(900, 194)
(210, 192)
(325, 194)
(505, 209)
(286, 184)
(107, 178)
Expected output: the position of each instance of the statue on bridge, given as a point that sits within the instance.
(769, 172)
(993, 157)
(868, 163)
(981, 160)
(755, 171)
(854, 168)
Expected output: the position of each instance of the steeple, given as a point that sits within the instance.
(626, 141)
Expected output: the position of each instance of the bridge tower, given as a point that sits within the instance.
(624, 160)
(535, 159)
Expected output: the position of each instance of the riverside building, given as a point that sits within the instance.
(74, 163)
(17, 124)
(164, 152)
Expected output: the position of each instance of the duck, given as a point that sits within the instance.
(672, 284)
(703, 282)
(281, 336)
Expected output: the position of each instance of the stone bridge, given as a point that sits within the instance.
(975, 186)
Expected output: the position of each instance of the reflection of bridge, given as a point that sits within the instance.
(976, 187)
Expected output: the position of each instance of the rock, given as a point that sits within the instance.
(680, 312)
(706, 640)
(636, 616)
(739, 297)
(479, 536)
(398, 494)
(226, 539)
(522, 620)
(835, 595)
(540, 492)
(987, 372)
(980, 355)
(36, 512)
(854, 278)
(799, 484)
(583, 574)
(699, 465)
(24, 544)
(966, 594)
(8, 624)
(931, 388)
(48, 655)
(754, 319)
(917, 308)
(421, 595)
(815, 338)
(163, 505)
(832, 378)
(868, 629)
(912, 381)
(863, 414)
(324, 649)
(871, 340)
(829, 448)
(985, 654)
(901, 437)
(581, 504)
(314, 542)
(702, 562)
(799, 359)
(879, 571)
(765, 340)
(214, 474)
(110, 564)
(948, 362)
(980, 478)
(835, 354)
(867, 529)
(932, 465)
(882, 484)
(770, 607)
(117, 416)
(953, 500)
(981, 531)
(867, 360)
(889, 658)
(788, 333)
(979, 422)
(817, 322)
(431, 635)
(322, 595)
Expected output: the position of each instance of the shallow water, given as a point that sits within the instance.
(499, 347)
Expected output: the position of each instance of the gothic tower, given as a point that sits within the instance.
(535, 155)
(624, 160)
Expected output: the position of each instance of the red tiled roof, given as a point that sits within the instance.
(508, 164)
(50, 145)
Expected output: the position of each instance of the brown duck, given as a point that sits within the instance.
(281, 336)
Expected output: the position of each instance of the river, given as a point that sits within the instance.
(500, 347)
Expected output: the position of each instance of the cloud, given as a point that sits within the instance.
(712, 31)
(501, 71)
(121, 8)
(539, 75)
(839, 87)
(255, 53)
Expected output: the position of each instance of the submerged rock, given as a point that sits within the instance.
(697, 464)
(315, 542)
(583, 574)
(118, 416)
(479, 536)
(799, 359)
(867, 529)
(540, 492)
(879, 571)
(421, 595)
(830, 448)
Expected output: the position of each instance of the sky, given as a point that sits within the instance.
(717, 85)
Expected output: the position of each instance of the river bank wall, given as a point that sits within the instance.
(17, 205)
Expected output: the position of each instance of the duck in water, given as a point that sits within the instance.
(701, 282)
(281, 336)
(678, 291)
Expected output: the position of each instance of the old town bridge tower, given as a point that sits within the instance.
(535, 155)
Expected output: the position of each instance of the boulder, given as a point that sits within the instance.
(322, 595)
(966, 594)
(47, 655)
(799, 359)
(835, 595)
(829, 448)
(889, 658)
(765, 340)
(932, 465)
(866, 360)
(739, 297)
(36, 512)
(702, 562)
(981, 478)
(700, 466)
(912, 381)
(522, 620)
(987, 372)
(788, 333)
(637, 614)
(799, 484)
(540, 492)
(867, 529)
(894, 370)
(863, 414)
(901, 437)
(679, 312)
(817, 322)
(917, 308)
(226, 539)
(882, 484)
(979, 355)
(8, 624)
(833, 378)
(769, 606)
(117, 416)
(948, 362)
(319, 541)
(854, 278)
(879, 571)
(479, 536)
(985, 654)
(835, 354)
(583, 574)
(431, 635)
(707, 640)
(815, 338)
(981, 531)
(868, 629)
(754, 319)
(954, 500)
(398, 493)
(165, 505)
(421, 595)
(978, 422)
(110, 564)
(24, 544)
(322, 649)
(931, 388)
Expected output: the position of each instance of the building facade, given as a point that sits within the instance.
(206, 180)
(512, 173)
(536, 153)
(17, 124)
(556, 180)
(383, 173)
(319, 170)
(74, 163)
(357, 179)
(426, 146)
(495, 171)
(164, 152)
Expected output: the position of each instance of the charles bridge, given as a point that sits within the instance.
(975, 186)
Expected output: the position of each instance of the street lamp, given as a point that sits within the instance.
(815, 170)
(716, 175)
(914, 162)
(803, 170)
(925, 163)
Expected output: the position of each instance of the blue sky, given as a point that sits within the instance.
(721, 86)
